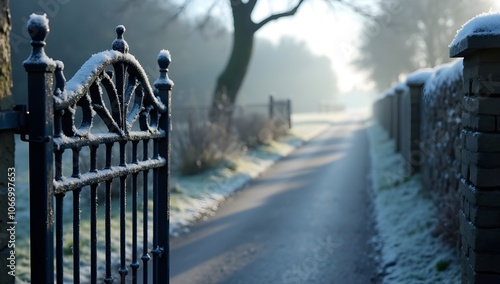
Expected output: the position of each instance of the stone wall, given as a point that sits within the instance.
(478, 43)
(459, 145)
(440, 137)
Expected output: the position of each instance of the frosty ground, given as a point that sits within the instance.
(405, 221)
(405, 218)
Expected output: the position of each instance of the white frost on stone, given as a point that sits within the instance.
(400, 87)
(419, 77)
(444, 76)
(482, 24)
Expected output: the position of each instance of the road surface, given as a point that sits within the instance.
(306, 220)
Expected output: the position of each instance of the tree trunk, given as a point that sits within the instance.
(231, 78)
(6, 137)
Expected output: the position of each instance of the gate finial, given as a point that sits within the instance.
(38, 28)
(163, 82)
(119, 44)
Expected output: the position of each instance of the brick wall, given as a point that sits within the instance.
(480, 160)
(447, 125)
(440, 137)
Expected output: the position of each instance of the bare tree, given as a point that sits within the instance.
(231, 78)
(6, 137)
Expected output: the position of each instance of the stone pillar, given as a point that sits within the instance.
(403, 141)
(388, 98)
(388, 114)
(416, 82)
(394, 115)
(399, 89)
(480, 185)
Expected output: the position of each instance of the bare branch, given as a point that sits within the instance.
(181, 9)
(251, 4)
(201, 25)
(279, 15)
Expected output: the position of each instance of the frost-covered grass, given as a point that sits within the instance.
(406, 220)
(192, 197)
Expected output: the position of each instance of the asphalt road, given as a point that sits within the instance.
(306, 220)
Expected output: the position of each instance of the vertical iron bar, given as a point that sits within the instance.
(109, 278)
(93, 158)
(40, 68)
(76, 162)
(135, 264)
(156, 219)
(59, 239)
(58, 167)
(145, 256)
(93, 216)
(156, 224)
(123, 270)
(93, 233)
(76, 236)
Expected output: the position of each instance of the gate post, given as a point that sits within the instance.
(480, 185)
(40, 103)
(163, 89)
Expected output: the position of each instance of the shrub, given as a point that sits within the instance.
(255, 130)
(251, 130)
(198, 145)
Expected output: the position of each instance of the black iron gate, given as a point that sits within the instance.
(112, 89)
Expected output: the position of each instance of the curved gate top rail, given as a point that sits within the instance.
(110, 89)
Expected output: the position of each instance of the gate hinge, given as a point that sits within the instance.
(15, 119)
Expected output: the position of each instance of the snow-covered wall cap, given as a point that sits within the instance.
(400, 88)
(481, 32)
(389, 92)
(419, 77)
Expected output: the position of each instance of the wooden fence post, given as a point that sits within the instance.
(289, 112)
(271, 107)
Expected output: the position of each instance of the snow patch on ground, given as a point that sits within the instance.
(405, 220)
